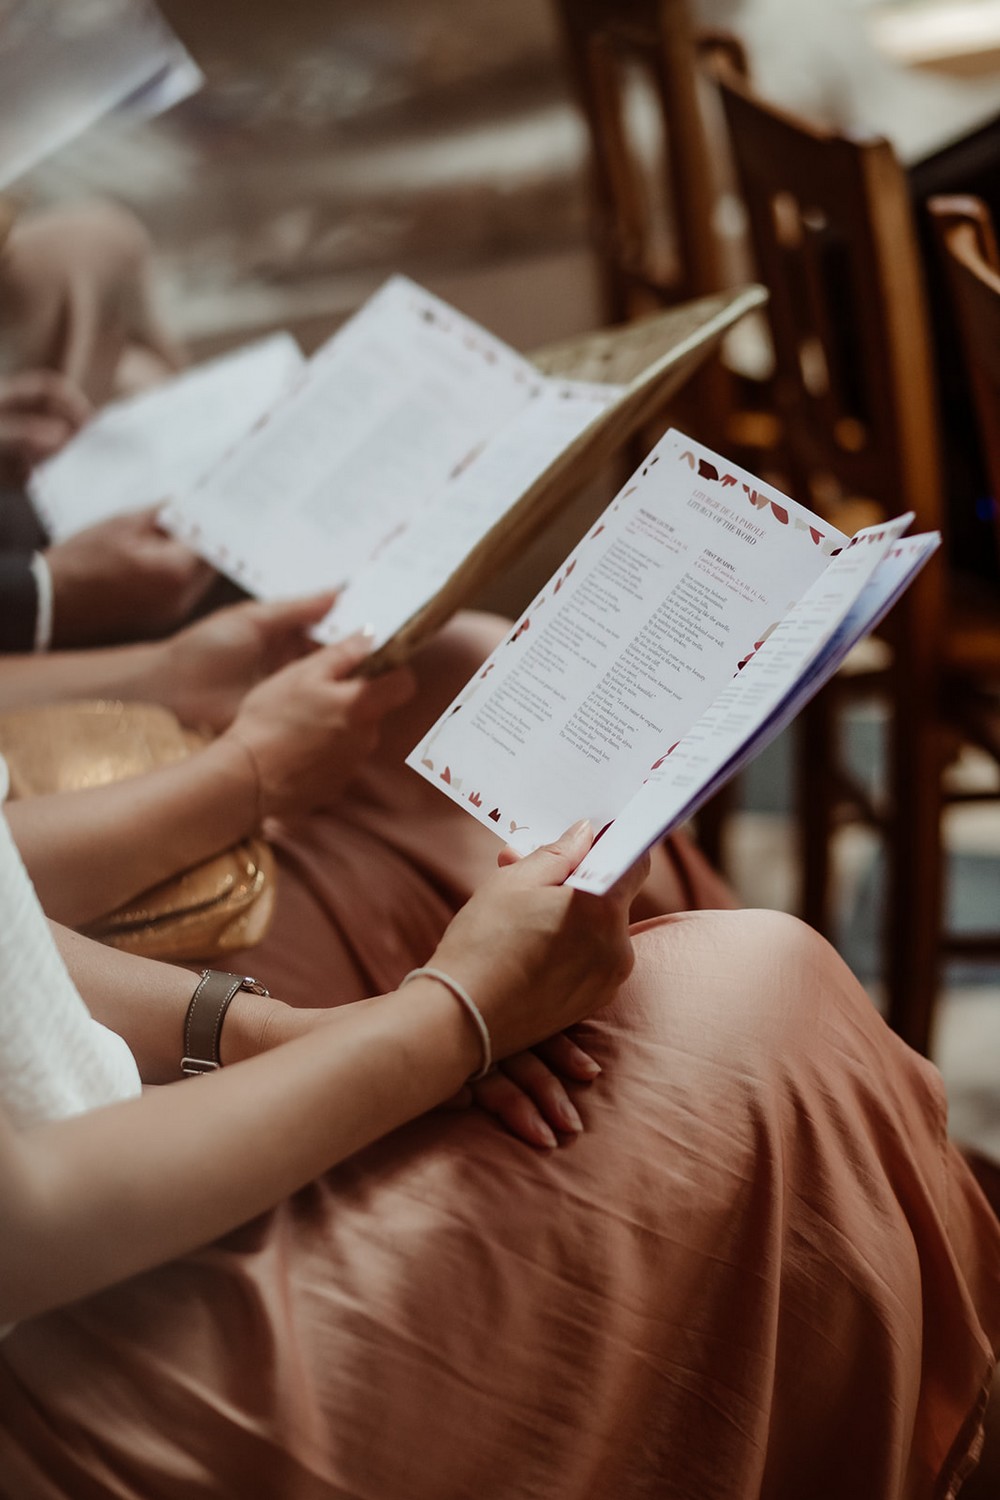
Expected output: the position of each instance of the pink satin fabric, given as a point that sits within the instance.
(762, 1270)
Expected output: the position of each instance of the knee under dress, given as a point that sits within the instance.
(761, 1271)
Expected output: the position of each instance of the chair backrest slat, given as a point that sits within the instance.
(972, 261)
(610, 45)
(832, 229)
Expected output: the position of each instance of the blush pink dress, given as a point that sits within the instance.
(762, 1271)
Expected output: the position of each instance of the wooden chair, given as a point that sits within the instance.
(641, 204)
(654, 203)
(637, 70)
(972, 262)
(971, 257)
(832, 227)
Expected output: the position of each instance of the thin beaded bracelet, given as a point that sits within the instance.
(469, 1005)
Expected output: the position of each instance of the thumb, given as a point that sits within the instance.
(146, 519)
(340, 659)
(552, 863)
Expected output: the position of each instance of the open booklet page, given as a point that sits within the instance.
(791, 665)
(66, 63)
(432, 543)
(140, 451)
(411, 431)
(678, 590)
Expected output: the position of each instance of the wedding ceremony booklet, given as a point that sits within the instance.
(695, 619)
(139, 451)
(418, 453)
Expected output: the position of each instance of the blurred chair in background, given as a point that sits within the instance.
(657, 181)
(655, 209)
(832, 228)
(633, 65)
(969, 164)
(972, 263)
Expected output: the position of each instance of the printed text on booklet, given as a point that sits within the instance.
(410, 433)
(693, 620)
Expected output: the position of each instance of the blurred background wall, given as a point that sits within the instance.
(334, 142)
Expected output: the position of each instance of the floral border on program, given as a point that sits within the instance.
(450, 777)
(759, 500)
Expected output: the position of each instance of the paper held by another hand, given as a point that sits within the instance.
(137, 452)
(418, 455)
(407, 463)
(65, 64)
(386, 448)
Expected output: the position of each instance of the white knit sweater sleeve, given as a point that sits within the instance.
(55, 1059)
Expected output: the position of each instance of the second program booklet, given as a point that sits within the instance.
(417, 454)
(694, 620)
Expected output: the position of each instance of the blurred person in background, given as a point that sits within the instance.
(78, 327)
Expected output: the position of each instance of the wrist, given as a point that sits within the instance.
(471, 1011)
(235, 762)
(438, 1004)
(133, 672)
(262, 807)
(255, 1024)
(434, 1045)
(207, 1012)
(165, 679)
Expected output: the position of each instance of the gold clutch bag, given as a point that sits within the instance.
(208, 910)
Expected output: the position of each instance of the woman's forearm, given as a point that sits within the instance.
(58, 676)
(146, 1002)
(88, 851)
(105, 1195)
(94, 1200)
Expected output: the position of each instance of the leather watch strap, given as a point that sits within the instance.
(203, 1022)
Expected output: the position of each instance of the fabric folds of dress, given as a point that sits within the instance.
(762, 1271)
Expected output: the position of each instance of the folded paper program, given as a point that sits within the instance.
(695, 619)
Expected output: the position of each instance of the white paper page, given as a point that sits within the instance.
(689, 568)
(177, 79)
(846, 603)
(413, 566)
(64, 64)
(141, 451)
(395, 404)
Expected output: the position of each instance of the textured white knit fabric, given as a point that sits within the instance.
(55, 1059)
